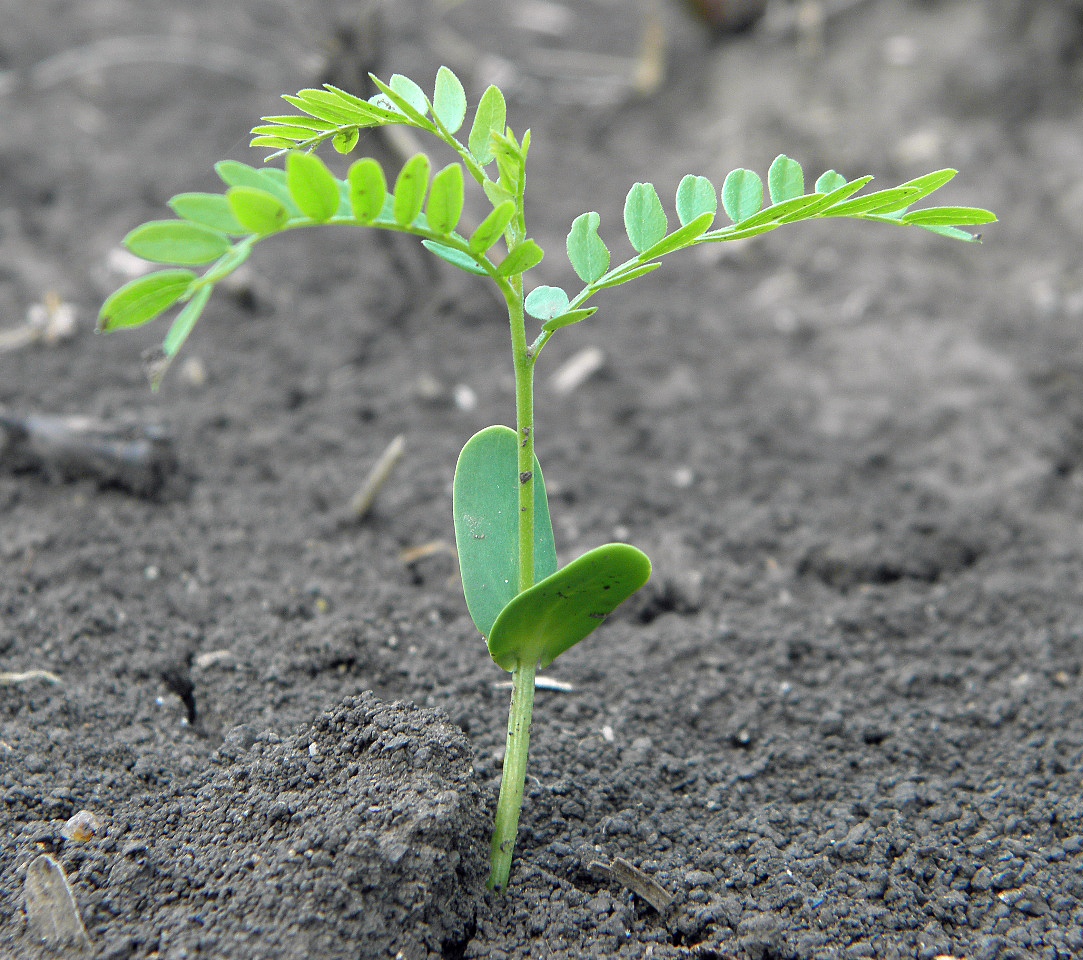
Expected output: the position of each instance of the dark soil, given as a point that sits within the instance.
(846, 717)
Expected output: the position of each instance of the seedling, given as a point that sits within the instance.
(528, 608)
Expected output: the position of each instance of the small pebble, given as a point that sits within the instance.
(82, 827)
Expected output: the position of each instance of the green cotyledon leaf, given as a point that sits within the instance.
(541, 623)
(486, 509)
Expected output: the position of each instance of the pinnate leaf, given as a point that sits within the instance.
(587, 252)
(178, 242)
(445, 205)
(411, 185)
(544, 303)
(695, 196)
(492, 227)
(490, 118)
(313, 187)
(742, 194)
(256, 210)
(141, 300)
(644, 218)
(785, 179)
(449, 100)
(368, 189)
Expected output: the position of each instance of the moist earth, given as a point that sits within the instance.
(846, 717)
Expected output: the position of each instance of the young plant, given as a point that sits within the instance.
(529, 610)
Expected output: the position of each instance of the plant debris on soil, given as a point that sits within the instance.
(846, 717)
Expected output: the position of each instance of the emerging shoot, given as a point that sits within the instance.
(529, 610)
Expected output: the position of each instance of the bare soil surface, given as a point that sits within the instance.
(846, 717)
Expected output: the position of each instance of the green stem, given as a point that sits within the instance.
(523, 364)
(510, 803)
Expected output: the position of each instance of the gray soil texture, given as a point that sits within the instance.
(845, 718)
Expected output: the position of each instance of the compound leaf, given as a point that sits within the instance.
(544, 621)
(368, 189)
(544, 303)
(785, 179)
(141, 300)
(455, 257)
(486, 508)
(449, 100)
(695, 196)
(491, 117)
(522, 257)
(587, 252)
(492, 227)
(178, 242)
(256, 210)
(313, 187)
(742, 194)
(445, 205)
(644, 218)
(411, 185)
